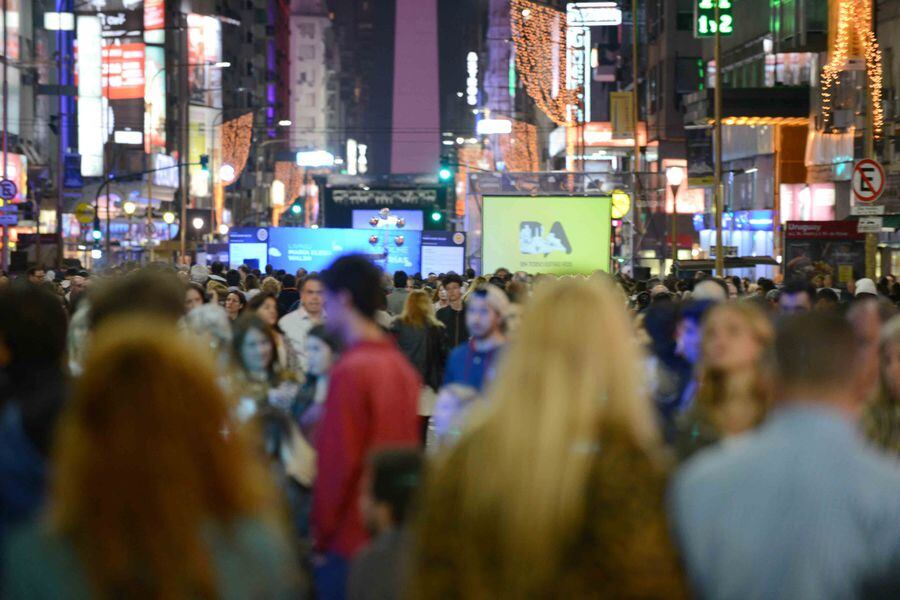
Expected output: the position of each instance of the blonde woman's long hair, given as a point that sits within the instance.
(569, 381)
(142, 467)
(418, 311)
(712, 384)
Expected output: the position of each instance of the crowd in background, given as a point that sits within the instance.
(216, 432)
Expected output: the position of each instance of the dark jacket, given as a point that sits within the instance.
(286, 299)
(455, 325)
(426, 349)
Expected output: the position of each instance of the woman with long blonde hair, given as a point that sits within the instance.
(155, 494)
(734, 385)
(555, 490)
(420, 337)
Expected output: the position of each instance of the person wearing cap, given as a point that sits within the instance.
(472, 363)
(865, 288)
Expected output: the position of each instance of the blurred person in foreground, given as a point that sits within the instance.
(501, 518)
(881, 419)
(421, 339)
(32, 390)
(150, 499)
(373, 400)
(379, 570)
(322, 350)
(734, 382)
(802, 508)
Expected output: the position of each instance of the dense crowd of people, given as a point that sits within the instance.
(212, 432)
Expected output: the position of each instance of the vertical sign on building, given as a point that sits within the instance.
(580, 17)
(91, 134)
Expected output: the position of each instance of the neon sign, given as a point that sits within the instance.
(705, 24)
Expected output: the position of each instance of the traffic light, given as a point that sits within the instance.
(96, 233)
(296, 208)
(204, 162)
(436, 215)
(445, 173)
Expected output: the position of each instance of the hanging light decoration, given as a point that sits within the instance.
(539, 33)
(519, 148)
(854, 34)
(236, 135)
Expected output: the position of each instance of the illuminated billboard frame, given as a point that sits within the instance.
(558, 235)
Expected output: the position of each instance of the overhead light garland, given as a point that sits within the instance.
(236, 135)
(539, 33)
(519, 148)
(854, 24)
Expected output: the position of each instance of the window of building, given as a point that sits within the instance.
(307, 30)
(684, 15)
(306, 99)
(306, 52)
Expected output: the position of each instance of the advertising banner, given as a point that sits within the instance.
(204, 49)
(546, 234)
(443, 252)
(155, 99)
(833, 248)
(291, 248)
(248, 246)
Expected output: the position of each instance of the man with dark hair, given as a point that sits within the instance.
(453, 316)
(397, 298)
(310, 312)
(36, 274)
(472, 364)
(470, 274)
(288, 295)
(373, 401)
(796, 296)
(802, 508)
(216, 272)
(378, 572)
(233, 278)
(827, 300)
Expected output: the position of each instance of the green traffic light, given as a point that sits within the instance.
(296, 209)
(445, 174)
(436, 216)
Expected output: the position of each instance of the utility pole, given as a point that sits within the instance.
(635, 118)
(720, 254)
(5, 257)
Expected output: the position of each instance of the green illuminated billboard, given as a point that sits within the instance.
(546, 234)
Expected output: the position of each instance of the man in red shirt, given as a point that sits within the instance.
(372, 403)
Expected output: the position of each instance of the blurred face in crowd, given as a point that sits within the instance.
(312, 297)
(795, 303)
(732, 290)
(454, 292)
(192, 300)
(410, 285)
(268, 311)
(442, 294)
(233, 305)
(890, 368)
(257, 351)
(319, 356)
(37, 276)
(689, 337)
(730, 344)
(481, 319)
(79, 284)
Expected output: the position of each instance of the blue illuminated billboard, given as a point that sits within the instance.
(292, 248)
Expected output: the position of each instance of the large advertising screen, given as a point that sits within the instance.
(204, 50)
(443, 252)
(833, 248)
(291, 248)
(546, 234)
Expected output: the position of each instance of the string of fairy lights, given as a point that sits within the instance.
(236, 137)
(855, 24)
(539, 34)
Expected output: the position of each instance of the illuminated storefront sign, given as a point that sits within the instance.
(155, 98)
(472, 79)
(122, 71)
(91, 133)
(204, 50)
(705, 24)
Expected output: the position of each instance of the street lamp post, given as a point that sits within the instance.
(717, 102)
(675, 177)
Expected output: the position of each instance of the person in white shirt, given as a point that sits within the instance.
(296, 324)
